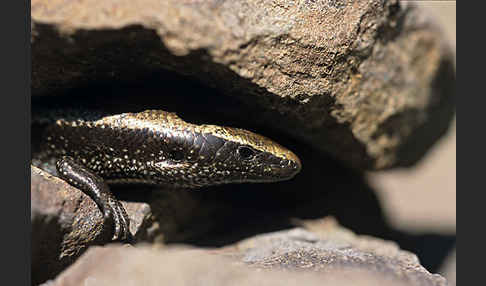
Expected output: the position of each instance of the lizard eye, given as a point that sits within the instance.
(245, 153)
(176, 155)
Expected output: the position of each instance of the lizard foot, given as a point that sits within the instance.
(95, 187)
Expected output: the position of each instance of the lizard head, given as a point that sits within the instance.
(214, 155)
(252, 157)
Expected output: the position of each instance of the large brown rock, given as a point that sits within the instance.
(370, 82)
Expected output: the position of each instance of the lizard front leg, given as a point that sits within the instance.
(96, 188)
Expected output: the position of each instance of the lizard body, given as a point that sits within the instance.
(153, 147)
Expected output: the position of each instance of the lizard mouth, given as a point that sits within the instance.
(286, 170)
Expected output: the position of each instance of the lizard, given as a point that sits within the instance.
(92, 151)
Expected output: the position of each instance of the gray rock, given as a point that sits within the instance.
(116, 265)
(370, 82)
(292, 257)
(332, 248)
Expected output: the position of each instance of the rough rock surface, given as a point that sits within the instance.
(334, 256)
(65, 222)
(326, 247)
(370, 82)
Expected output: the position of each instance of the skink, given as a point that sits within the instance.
(153, 147)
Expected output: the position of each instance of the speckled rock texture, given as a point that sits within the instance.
(370, 82)
(293, 257)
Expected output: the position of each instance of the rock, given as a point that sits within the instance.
(291, 257)
(115, 265)
(65, 222)
(370, 82)
(448, 269)
(330, 247)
